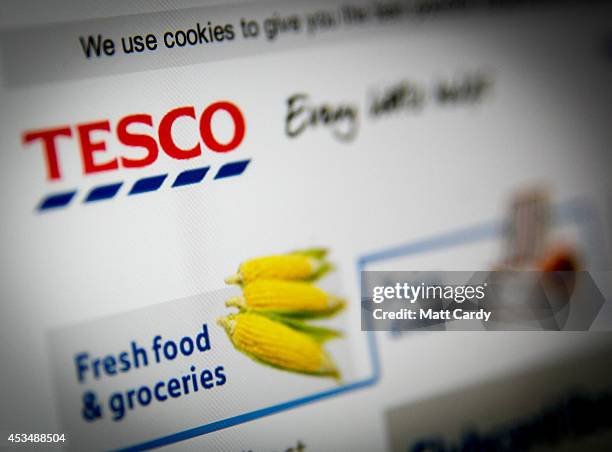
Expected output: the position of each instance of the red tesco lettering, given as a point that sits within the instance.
(93, 146)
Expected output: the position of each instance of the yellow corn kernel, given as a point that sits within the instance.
(287, 297)
(277, 344)
(292, 266)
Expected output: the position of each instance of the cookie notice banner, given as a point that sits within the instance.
(485, 300)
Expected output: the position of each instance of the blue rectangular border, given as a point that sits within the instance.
(576, 211)
(252, 415)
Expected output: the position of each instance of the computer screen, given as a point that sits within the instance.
(362, 225)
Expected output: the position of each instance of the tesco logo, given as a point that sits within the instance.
(160, 138)
(142, 139)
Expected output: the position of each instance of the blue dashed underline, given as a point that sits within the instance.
(144, 185)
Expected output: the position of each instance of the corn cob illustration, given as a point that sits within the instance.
(291, 298)
(306, 265)
(277, 344)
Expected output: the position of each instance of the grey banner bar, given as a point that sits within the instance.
(57, 52)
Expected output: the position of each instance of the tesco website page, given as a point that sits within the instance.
(306, 226)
